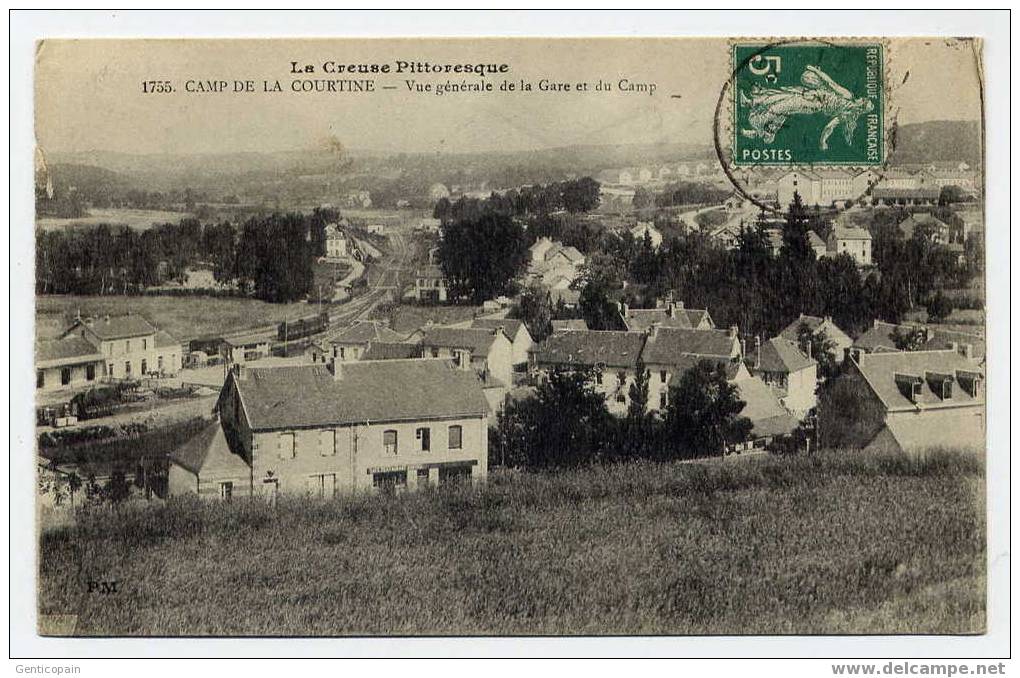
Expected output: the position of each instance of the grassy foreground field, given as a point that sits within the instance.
(825, 544)
(183, 317)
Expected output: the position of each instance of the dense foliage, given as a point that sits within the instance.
(567, 423)
(482, 257)
(269, 257)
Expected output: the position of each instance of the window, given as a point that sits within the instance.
(435, 352)
(65, 376)
(145, 344)
(127, 346)
(109, 369)
(390, 441)
(620, 398)
(144, 367)
(662, 401)
(40, 378)
(621, 377)
(327, 443)
(287, 446)
(662, 376)
(322, 485)
(422, 477)
(159, 363)
(127, 369)
(342, 353)
(389, 481)
(454, 474)
(455, 437)
(598, 376)
(425, 436)
(226, 491)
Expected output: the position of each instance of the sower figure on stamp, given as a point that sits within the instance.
(770, 107)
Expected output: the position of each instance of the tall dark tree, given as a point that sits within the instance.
(565, 424)
(535, 309)
(703, 413)
(482, 257)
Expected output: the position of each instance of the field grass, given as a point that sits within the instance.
(824, 544)
(139, 220)
(183, 317)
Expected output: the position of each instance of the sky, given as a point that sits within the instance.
(89, 94)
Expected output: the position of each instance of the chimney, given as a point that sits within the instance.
(680, 305)
(670, 309)
(757, 352)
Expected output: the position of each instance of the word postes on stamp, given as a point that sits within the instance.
(814, 103)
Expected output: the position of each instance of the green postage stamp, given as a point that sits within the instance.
(808, 103)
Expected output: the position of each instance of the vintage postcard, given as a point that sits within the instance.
(510, 336)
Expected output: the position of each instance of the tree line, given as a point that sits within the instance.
(761, 292)
(269, 257)
(575, 196)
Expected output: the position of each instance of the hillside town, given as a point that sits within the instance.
(436, 336)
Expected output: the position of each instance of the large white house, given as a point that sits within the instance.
(323, 430)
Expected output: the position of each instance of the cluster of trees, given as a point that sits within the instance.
(577, 195)
(678, 194)
(566, 423)
(483, 245)
(270, 257)
(761, 293)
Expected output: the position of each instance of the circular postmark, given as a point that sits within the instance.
(807, 116)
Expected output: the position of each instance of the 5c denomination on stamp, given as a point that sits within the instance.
(808, 103)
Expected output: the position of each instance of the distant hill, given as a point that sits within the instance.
(938, 141)
(88, 179)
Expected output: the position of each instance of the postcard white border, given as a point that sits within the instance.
(26, 27)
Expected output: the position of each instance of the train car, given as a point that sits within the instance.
(289, 330)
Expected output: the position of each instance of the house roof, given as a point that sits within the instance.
(815, 322)
(815, 240)
(209, 453)
(908, 225)
(850, 233)
(569, 324)
(308, 396)
(667, 344)
(887, 373)
(782, 355)
(761, 405)
(164, 338)
(687, 362)
(480, 341)
(510, 326)
(571, 253)
(590, 348)
(392, 351)
(119, 327)
(366, 331)
(881, 336)
(644, 318)
(69, 350)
